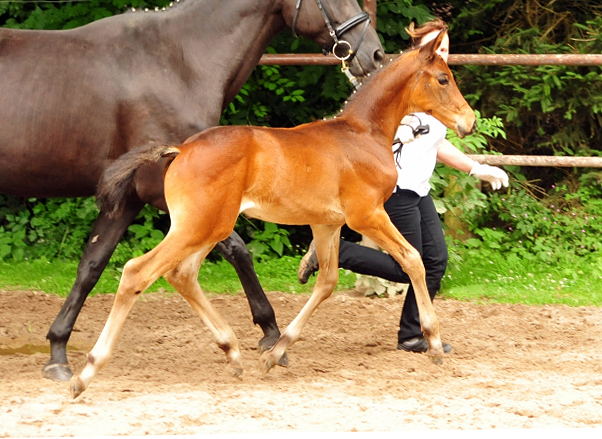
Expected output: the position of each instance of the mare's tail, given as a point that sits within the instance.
(115, 183)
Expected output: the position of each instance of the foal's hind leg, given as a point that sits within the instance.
(235, 251)
(381, 230)
(326, 240)
(184, 279)
(104, 238)
(138, 275)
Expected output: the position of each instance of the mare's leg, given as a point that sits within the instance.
(236, 253)
(326, 240)
(138, 275)
(105, 236)
(184, 279)
(381, 230)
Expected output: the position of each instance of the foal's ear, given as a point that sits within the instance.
(430, 49)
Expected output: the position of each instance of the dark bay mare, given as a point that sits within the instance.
(72, 102)
(325, 174)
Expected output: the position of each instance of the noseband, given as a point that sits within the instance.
(341, 49)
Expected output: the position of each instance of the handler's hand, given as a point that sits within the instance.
(491, 174)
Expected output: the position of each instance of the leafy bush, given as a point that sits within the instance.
(547, 110)
(45, 228)
(553, 230)
(65, 15)
(59, 228)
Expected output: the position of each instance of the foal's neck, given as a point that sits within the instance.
(382, 102)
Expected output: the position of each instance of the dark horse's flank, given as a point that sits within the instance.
(71, 102)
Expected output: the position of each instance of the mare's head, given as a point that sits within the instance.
(340, 27)
(432, 89)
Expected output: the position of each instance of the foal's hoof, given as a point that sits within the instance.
(236, 371)
(266, 362)
(283, 360)
(437, 359)
(76, 387)
(57, 372)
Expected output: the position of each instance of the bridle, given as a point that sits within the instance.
(341, 49)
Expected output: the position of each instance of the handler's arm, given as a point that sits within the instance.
(449, 155)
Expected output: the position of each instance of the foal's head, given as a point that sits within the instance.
(433, 90)
(418, 81)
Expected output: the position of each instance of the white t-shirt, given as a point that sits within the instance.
(417, 159)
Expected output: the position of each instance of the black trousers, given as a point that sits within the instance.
(417, 220)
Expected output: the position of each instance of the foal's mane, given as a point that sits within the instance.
(369, 82)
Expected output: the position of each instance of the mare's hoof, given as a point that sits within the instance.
(76, 387)
(420, 345)
(283, 360)
(57, 372)
(266, 343)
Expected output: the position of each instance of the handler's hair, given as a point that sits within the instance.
(418, 32)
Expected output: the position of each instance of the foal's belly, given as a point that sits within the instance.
(292, 213)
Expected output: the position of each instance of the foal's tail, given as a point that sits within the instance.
(115, 183)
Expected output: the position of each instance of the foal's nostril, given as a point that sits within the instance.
(474, 126)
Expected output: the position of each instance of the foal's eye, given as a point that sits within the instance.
(443, 80)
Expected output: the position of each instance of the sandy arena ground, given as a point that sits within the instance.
(513, 367)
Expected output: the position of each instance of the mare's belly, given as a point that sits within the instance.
(48, 182)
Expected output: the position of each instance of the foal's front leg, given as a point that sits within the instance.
(381, 230)
(326, 240)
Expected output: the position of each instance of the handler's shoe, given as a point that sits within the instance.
(420, 345)
(308, 265)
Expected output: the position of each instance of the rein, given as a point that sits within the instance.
(337, 32)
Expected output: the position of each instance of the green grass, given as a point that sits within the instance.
(507, 279)
(57, 277)
(499, 279)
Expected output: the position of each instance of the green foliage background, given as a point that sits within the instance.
(547, 215)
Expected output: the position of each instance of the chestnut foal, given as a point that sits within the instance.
(325, 174)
